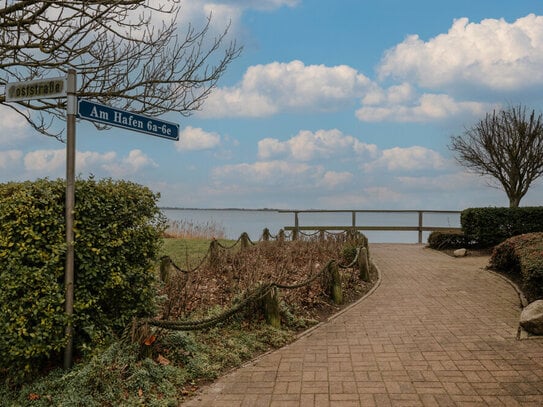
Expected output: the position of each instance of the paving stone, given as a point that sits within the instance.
(438, 331)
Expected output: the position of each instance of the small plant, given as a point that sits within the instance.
(349, 254)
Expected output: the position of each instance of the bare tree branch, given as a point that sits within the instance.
(121, 58)
(508, 146)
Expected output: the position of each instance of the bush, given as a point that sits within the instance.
(450, 239)
(489, 226)
(117, 237)
(522, 254)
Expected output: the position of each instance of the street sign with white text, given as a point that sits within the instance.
(110, 116)
(37, 89)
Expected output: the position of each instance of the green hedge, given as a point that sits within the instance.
(522, 254)
(449, 239)
(118, 230)
(487, 227)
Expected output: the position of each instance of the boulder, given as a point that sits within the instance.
(531, 318)
(460, 253)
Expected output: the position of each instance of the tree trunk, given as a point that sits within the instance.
(514, 201)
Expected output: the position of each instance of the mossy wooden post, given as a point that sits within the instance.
(363, 264)
(244, 240)
(165, 263)
(321, 235)
(281, 235)
(266, 235)
(351, 235)
(366, 245)
(294, 234)
(335, 281)
(214, 253)
(270, 305)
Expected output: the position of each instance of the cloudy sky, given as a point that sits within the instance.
(346, 104)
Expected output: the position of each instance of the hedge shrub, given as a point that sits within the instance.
(449, 239)
(117, 237)
(490, 226)
(522, 254)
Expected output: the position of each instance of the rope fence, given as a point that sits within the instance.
(265, 295)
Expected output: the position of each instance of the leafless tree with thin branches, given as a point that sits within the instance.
(122, 57)
(508, 146)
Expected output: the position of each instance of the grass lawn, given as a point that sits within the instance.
(187, 253)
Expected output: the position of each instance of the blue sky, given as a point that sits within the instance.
(346, 104)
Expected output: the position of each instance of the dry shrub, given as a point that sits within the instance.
(188, 229)
(238, 270)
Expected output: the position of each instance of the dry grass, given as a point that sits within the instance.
(236, 271)
(187, 229)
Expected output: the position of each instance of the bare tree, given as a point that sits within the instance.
(508, 146)
(122, 58)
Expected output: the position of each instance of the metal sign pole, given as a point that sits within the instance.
(71, 111)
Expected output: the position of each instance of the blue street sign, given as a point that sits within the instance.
(110, 116)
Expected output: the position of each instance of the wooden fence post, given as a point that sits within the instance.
(270, 305)
(266, 235)
(335, 277)
(165, 263)
(366, 244)
(351, 235)
(214, 253)
(363, 264)
(420, 226)
(244, 240)
(281, 235)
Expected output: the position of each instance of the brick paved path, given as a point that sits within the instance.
(438, 331)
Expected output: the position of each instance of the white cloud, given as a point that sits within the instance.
(492, 54)
(90, 160)
(14, 127)
(307, 146)
(268, 173)
(279, 175)
(191, 139)
(10, 158)
(271, 147)
(333, 179)
(346, 200)
(224, 13)
(259, 4)
(50, 163)
(455, 190)
(408, 159)
(382, 194)
(45, 161)
(456, 181)
(277, 87)
(53, 161)
(394, 95)
(429, 107)
(134, 162)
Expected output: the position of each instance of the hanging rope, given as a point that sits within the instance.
(250, 297)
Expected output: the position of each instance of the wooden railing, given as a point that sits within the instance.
(420, 227)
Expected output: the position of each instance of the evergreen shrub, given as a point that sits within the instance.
(487, 227)
(118, 230)
(448, 239)
(522, 255)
